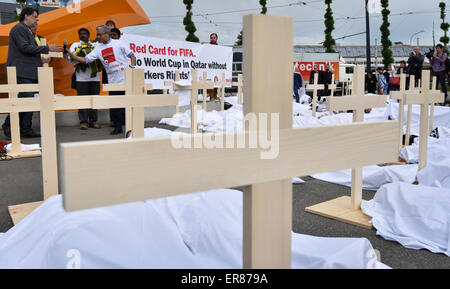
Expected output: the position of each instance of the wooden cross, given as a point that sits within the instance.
(425, 98)
(239, 84)
(345, 209)
(267, 208)
(195, 87)
(222, 84)
(12, 88)
(50, 54)
(315, 87)
(47, 104)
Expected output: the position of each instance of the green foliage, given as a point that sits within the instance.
(329, 27)
(444, 26)
(263, 11)
(263, 4)
(188, 23)
(385, 33)
(239, 39)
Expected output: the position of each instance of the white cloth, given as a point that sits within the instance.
(24, 148)
(373, 176)
(83, 76)
(202, 230)
(415, 216)
(114, 57)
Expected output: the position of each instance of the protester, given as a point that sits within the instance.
(298, 82)
(87, 80)
(415, 64)
(326, 77)
(114, 56)
(371, 83)
(115, 33)
(439, 69)
(25, 54)
(213, 92)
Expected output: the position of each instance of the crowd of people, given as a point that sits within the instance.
(106, 54)
(384, 81)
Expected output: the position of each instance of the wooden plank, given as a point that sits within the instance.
(25, 154)
(13, 87)
(268, 203)
(117, 101)
(48, 132)
(356, 102)
(340, 209)
(140, 167)
(128, 91)
(20, 212)
(114, 87)
(14, 118)
(138, 111)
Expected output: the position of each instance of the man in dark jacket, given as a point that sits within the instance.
(415, 64)
(25, 55)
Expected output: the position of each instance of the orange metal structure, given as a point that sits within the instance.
(61, 24)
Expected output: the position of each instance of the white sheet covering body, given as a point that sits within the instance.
(418, 217)
(202, 230)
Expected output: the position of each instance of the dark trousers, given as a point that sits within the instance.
(26, 118)
(297, 85)
(88, 116)
(441, 79)
(117, 114)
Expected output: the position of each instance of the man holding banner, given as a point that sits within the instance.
(114, 55)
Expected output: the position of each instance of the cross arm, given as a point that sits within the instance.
(145, 167)
(19, 88)
(355, 102)
(428, 98)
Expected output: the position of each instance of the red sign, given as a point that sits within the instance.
(108, 55)
(305, 68)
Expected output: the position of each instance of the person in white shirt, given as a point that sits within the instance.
(86, 85)
(114, 55)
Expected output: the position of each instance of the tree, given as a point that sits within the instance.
(444, 26)
(263, 11)
(384, 28)
(329, 27)
(188, 23)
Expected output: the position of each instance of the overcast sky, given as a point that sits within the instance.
(416, 15)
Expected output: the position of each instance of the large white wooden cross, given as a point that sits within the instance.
(239, 84)
(425, 98)
(195, 87)
(315, 88)
(12, 88)
(267, 222)
(345, 209)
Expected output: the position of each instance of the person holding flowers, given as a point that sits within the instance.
(87, 80)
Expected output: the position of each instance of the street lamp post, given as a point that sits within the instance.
(412, 36)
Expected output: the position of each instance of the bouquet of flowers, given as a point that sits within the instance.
(83, 50)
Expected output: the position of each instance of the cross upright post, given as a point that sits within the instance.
(315, 88)
(239, 84)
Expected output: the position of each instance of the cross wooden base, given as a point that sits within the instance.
(339, 209)
(26, 154)
(20, 212)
